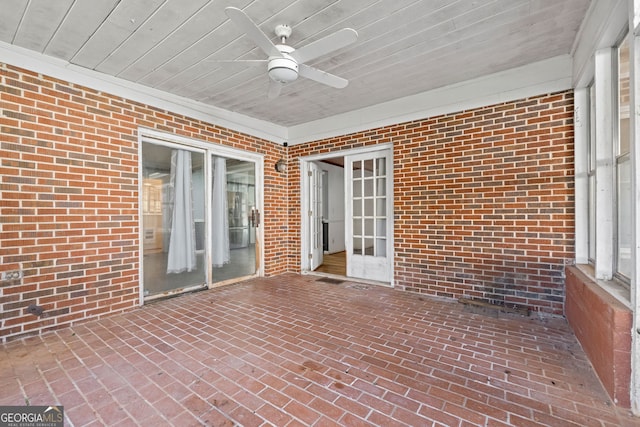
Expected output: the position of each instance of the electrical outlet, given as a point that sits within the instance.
(11, 275)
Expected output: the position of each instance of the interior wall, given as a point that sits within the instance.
(483, 201)
(69, 219)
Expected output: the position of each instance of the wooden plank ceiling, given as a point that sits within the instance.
(404, 46)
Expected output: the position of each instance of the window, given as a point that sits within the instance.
(623, 165)
(605, 141)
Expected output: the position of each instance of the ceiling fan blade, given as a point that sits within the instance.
(245, 62)
(322, 76)
(252, 30)
(325, 45)
(274, 89)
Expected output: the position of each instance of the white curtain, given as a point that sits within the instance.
(167, 212)
(221, 253)
(182, 242)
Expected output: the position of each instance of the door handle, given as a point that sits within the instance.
(255, 217)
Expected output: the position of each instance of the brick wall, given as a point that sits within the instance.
(603, 326)
(69, 198)
(483, 201)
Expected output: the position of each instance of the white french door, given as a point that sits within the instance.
(315, 216)
(369, 215)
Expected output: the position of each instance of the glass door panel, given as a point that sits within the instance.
(234, 218)
(172, 219)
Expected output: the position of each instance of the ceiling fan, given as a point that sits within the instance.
(284, 63)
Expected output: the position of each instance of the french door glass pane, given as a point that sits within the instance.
(357, 208)
(368, 246)
(368, 207)
(368, 227)
(381, 167)
(357, 188)
(381, 207)
(368, 186)
(369, 204)
(368, 166)
(381, 187)
(357, 227)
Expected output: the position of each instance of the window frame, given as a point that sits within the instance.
(591, 176)
(620, 158)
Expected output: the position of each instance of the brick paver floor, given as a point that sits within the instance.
(295, 351)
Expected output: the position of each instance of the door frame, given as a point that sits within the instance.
(305, 238)
(209, 148)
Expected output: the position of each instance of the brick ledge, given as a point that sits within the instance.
(602, 324)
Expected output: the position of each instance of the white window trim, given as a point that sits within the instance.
(581, 160)
(605, 161)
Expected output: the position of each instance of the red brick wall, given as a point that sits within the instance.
(603, 326)
(483, 201)
(69, 198)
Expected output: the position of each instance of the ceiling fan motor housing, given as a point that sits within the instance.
(284, 68)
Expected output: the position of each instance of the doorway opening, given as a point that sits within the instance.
(347, 214)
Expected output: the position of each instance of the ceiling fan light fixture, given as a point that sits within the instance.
(284, 60)
(283, 69)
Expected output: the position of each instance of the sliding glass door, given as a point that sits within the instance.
(200, 217)
(173, 215)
